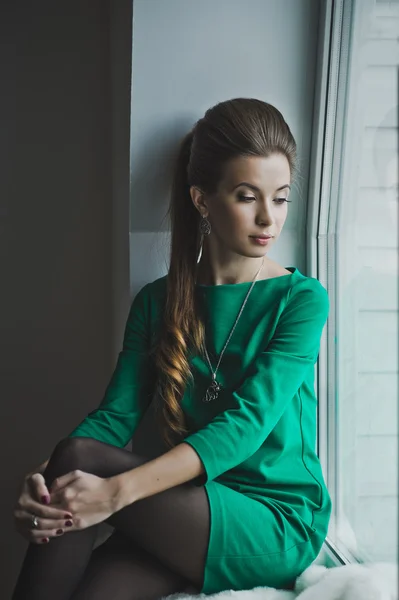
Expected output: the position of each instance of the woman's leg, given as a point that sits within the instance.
(120, 570)
(172, 526)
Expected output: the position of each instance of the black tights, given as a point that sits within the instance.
(158, 547)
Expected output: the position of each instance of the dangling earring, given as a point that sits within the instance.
(205, 226)
(205, 229)
(199, 255)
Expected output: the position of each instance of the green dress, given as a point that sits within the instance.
(268, 500)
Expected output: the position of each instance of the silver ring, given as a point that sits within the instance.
(34, 522)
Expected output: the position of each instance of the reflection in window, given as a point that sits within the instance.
(366, 266)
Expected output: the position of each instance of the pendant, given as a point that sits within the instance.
(212, 392)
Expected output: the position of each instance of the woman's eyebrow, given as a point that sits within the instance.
(256, 189)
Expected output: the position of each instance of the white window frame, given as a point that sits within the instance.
(321, 233)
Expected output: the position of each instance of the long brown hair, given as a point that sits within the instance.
(237, 127)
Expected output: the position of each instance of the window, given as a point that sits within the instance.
(356, 258)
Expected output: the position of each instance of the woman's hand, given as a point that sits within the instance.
(32, 502)
(89, 498)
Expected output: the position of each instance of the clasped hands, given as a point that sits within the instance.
(74, 501)
(90, 499)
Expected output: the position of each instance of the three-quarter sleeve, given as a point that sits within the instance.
(271, 382)
(131, 387)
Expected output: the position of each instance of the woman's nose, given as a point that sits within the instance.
(265, 216)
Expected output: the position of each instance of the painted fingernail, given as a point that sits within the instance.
(59, 531)
(67, 516)
(45, 499)
(68, 523)
(45, 540)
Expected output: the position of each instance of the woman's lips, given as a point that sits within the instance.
(261, 241)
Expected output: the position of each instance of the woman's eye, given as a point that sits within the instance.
(246, 198)
(251, 199)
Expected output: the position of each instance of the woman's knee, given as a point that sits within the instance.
(91, 456)
(69, 454)
(74, 450)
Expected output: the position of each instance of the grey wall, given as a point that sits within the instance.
(64, 157)
(188, 55)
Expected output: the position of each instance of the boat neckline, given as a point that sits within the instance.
(294, 271)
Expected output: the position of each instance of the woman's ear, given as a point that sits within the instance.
(198, 198)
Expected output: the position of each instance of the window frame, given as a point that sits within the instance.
(325, 174)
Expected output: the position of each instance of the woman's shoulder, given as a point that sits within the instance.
(158, 284)
(149, 294)
(308, 290)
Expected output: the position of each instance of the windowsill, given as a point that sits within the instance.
(331, 557)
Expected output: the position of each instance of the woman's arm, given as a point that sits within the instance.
(271, 383)
(176, 466)
(132, 384)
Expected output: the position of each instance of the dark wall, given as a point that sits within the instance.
(58, 299)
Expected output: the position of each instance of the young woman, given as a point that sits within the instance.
(226, 345)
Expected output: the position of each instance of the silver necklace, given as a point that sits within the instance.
(214, 388)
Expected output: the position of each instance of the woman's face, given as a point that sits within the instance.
(251, 200)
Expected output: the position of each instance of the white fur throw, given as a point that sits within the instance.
(373, 581)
